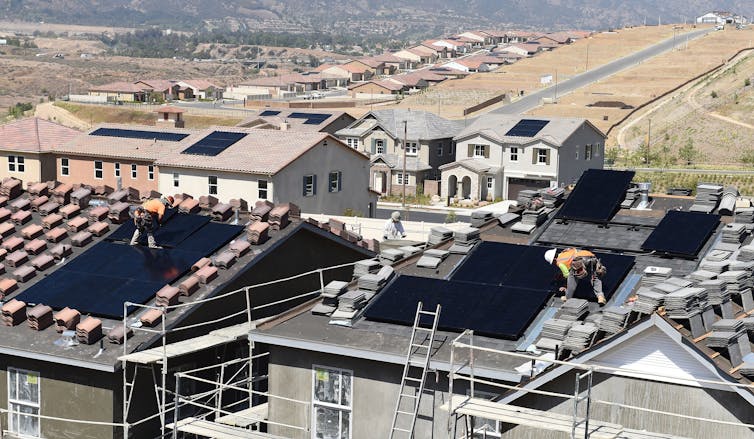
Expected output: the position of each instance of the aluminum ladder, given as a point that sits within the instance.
(577, 399)
(417, 358)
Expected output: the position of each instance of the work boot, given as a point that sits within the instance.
(563, 298)
(601, 299)
(151, 242)
(135, 237)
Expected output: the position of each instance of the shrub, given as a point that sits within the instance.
(713, 95)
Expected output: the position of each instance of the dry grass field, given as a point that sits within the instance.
(452, 97)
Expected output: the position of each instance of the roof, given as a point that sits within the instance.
(158, 84)
(422, 125)
(413, 164)
(283, 80)
(472, 164)
(384, 83)
(200, 84)
(388, 57)
(298, 124)
(372, 62)
(495, 126)
(34, 135)
(120, 87)
(169, 109)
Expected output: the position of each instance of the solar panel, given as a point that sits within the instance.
(174, 230)
(299, 115)
(527, 128)
(214, 143)
(311, 118)
(487, 309)
(269, 113)
(521, 266)
(597, 195)
(138, 134)
(681, 233)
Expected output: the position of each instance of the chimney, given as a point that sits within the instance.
(285, 126)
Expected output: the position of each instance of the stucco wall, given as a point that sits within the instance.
(32, 167)
(571, 168)
(230, 185)
(81, 170)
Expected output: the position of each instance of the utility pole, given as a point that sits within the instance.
(405, 130)
(587, 57)
(649, 139)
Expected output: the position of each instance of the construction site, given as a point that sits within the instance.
(265, 323)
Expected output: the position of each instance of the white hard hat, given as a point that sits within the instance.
(395, 215)
(550, 255)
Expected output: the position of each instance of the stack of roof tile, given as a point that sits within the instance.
(62, 194)
(632, 194)
(713, 266)
(119, 196)
(189, 206)
(736, 280)
(747, 369)
(119, 333)
(409, 250)
(81, 197)
(717, 255)
(36, 203)
(728, 201)
(239, 247)
(365, 266)
(534, 217)
(684, 303)
(647, 301)
(51, 221)
(207, 201)
(746, 253)
(552, 197)
(261, 210)
(717, 291)
(222, 212)
(39, 317)
(466, 235)
(526, 195)
(20, 204)
(480, 217)
(14, 312)
(654, 275)
(702, 275)
(89, 330)
(428, 262)
(167, 296)
(373, 282)
(721, 339)
(734, 233)
(7, 286)
(390, 256)
(352, 300)
(579, 337)
(574, 309)
(745, 216)
(40, 189)
(225, 259)
(556, 329)
(279, 217)
(66, 319)
(11, 188)
(707, 197)
(737, 265)
(439, 234)
(257, 232)
(729, 325)
(614, 319)
(119, 212)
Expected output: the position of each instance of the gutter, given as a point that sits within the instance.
(57, 360)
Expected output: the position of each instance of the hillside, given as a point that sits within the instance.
(386, 17)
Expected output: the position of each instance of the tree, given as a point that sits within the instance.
(611, 155)
(646, 154)
(748, 156)
(688, 153)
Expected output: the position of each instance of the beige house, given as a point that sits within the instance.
(122, 92)
(498, 155)
(26, 148)
(429, 145)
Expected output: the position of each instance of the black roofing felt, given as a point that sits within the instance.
(497, 311)
(139, 134)
(681, 233)
(597, 195)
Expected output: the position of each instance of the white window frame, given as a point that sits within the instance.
(16, 163)
(353, 142)
(412, 148)
(134, 171)
(379, 146)
(514, 153)
(310, 190)
(262, 192)
(588, 151)
(399, 178)
(541, 156)
(337, 182)
(479, 151)
(35, 407)
(65, 166)
(176, 179)
(116, 167)
(212, 188)
(98, 169)
(150, 172)
(490, 182)
(338, 407)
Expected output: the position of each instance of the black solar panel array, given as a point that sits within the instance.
(214, 143)
(527, 128)
(681, 233)
(269, 113)
(311, 118)
(597, 195)
(139, 134)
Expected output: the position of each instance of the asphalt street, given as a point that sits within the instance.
(535, 99)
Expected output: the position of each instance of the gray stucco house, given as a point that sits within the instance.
(429, 140)
(498, 155)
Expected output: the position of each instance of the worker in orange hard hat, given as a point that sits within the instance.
(576, 265)
(148, 217)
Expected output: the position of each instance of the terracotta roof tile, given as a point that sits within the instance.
(34, 135)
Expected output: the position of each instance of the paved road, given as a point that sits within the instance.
(534, 100)
(413, 215)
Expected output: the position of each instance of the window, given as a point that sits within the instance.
(117, 169)
(262, 187)
(310, 185)
(542, 156)
(588, 152)
(64, 169)
(485, 428)
(480, 150)
(514, 154)
(16, 163)
(212, 180)
(399, 178)
(490, 183)
(379, 146)
(353, 142)
(23, 400)
(331, 403)
(440, 148)
(150, 172)
(176, 179)
(412, 148)
(334, 180)
(98, 170)
(133, 171)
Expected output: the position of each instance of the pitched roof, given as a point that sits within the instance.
(495, 127)
(388, 58)
(413, 164)
(200, 84)
(369, 61)
(34, 135)
(388, 84)
(120, 87)
(422, 125)
(158, 84)
(169, 109)
(295, 123)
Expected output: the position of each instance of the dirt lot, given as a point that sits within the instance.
(452, 96)
(71, 29)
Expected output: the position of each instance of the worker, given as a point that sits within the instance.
(393, 227)
(576, 265)
(148, 217)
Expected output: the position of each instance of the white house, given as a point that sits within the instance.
(721, 17)
(498, 155)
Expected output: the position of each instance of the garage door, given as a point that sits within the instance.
(515, 185)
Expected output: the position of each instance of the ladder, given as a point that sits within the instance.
(577, 398)
(417, 358)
